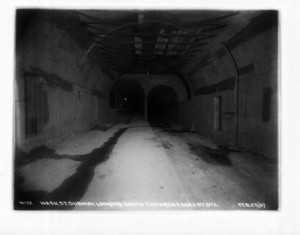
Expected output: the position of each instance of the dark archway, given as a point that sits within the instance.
(162, 105)
(127, 99)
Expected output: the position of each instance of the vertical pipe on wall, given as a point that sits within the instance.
(237, 82)
(146, 108)
(190, 97)
(146, 95)
(192, 128)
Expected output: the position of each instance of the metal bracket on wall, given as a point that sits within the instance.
(91, 47)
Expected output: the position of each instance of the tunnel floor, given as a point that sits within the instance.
(133, 166)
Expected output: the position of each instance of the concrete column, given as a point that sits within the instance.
(116, 104)
(193, 110)
(96, 107)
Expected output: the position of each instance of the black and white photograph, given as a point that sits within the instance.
(176, 112)
(146, 110)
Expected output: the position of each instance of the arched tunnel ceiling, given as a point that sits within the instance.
(159, 42)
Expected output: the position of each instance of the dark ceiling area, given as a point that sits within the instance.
(152, 41)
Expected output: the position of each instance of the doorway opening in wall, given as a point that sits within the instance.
(127, 99)
(162, 106)
(217, 113)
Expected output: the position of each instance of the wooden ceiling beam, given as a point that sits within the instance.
(105, 35)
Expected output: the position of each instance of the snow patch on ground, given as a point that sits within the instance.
(47, 174)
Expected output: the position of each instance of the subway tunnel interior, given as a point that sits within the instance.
(146, 106)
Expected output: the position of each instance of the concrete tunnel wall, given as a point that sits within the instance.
(73, 84)
(254, 52)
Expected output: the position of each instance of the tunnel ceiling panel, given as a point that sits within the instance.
(154, 41)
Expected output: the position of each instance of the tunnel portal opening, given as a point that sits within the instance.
(162, 106)
(127, 99)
